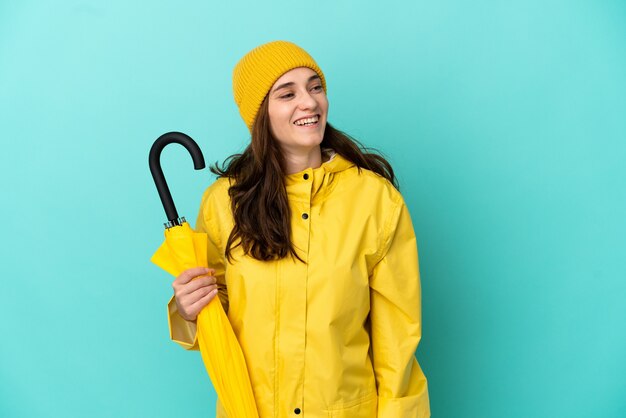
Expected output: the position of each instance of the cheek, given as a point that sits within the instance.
(324, 105)
(279, 122)
(273, 119)
(282, 121)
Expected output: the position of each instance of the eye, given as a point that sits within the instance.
(285, 96)
(317, 88)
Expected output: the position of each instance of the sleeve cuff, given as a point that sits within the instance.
(182, 332)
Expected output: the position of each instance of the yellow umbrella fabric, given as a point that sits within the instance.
(224, 361)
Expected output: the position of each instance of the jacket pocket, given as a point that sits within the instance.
(364, 407)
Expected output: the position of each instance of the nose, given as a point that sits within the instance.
(307, 101)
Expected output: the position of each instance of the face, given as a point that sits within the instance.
(297, 110)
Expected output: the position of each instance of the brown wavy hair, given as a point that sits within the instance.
(258, 195)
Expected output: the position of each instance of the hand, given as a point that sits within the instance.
(194, 288)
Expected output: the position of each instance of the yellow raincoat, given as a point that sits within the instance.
(336, 337)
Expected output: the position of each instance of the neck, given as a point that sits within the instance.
(296, 161)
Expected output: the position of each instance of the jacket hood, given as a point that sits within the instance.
(335, 164)
(313, 183)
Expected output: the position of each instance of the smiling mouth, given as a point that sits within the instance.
(310, 121)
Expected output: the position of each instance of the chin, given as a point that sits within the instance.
(313, 138)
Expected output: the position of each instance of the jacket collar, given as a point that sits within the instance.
(335, 164)
(306, 184)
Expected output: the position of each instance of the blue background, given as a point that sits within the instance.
(505, 122)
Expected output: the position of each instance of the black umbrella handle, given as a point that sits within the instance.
(157, 172)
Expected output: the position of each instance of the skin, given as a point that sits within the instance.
(296, 94)
(194, 288)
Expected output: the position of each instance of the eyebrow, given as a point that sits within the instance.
(291, 83)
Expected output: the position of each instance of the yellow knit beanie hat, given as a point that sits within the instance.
(255, 74)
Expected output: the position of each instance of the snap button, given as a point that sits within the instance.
(306, 176)
(297, 410)
(305, 216)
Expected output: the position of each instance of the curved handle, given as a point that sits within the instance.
(154, 160)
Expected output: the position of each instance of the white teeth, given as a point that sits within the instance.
(307, 121)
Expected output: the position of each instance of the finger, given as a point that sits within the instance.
(196, 284)
(200, 293)
(187, 275)
(202, 302)
(186, 302)
(189, 299)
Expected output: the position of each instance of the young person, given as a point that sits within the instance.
(312, 253)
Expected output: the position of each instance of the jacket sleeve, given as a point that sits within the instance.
(182, 331)
(396, 323)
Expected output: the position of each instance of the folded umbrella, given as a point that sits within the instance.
(183, 248)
